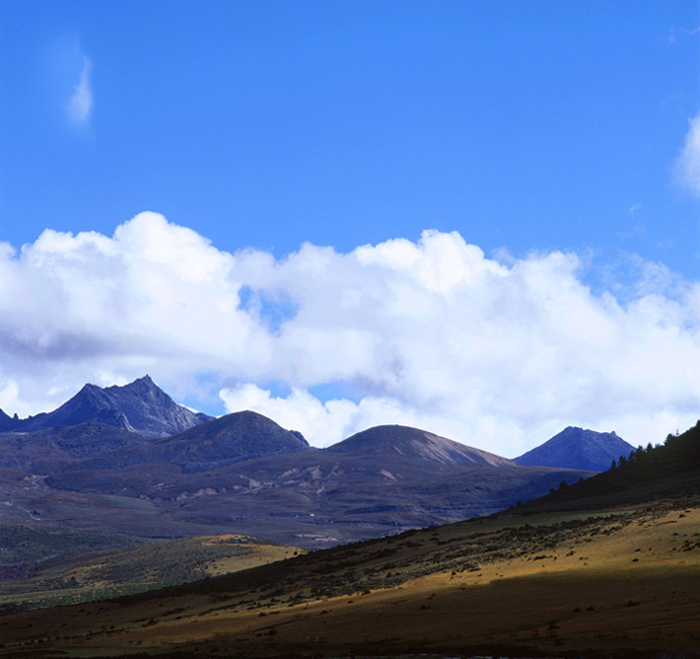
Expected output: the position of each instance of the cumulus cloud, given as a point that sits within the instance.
(79, 107)
(499, 353)
(687, 165)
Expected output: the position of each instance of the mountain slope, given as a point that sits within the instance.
(577, 448)
(655, 473)
(411, 445)
(379, 482)
(139, 407)
(97, 446)
(229, 439)
(613, 581)
(64, 447)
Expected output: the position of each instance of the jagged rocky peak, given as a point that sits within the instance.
(9, 423)
(142, 387)
(140, 407)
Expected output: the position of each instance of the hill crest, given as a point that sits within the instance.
(415, 444)
(229, 439)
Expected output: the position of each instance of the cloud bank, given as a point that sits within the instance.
(499, 353)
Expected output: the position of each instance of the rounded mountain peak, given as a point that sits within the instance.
(414, 444)
(231, 438)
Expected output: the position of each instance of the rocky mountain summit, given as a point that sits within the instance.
(578, 448)
(140, 407)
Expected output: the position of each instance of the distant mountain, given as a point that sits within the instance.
(668, 471)
(129, 460)
(383, 480)
(98, 446)
(576, 448)
(412, 444)
(140, 407)
(229, 439)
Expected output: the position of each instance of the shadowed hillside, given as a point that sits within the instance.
(89, 566)
(229, 439)
(647, 474)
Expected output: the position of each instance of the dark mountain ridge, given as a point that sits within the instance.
(139, 407)
(210, 445)
(578, 448)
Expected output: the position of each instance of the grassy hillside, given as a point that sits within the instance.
(613, 580)
(609, 567)
(81, 575)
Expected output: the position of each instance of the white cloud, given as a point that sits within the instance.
(497, 353)
(325, 422)
(79, 107)
(687, 165)
(673, 35)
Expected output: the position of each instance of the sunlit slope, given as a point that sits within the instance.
(617, 578)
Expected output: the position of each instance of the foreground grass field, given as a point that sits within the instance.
(622, 581)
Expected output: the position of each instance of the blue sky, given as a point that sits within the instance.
(530, 129)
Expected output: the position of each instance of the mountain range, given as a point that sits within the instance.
(130, 460)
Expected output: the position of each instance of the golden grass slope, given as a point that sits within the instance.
(622, 580)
